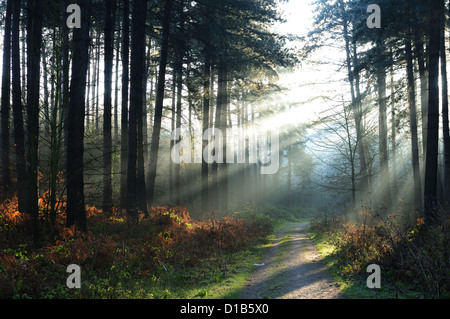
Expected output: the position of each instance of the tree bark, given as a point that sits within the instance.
(431, 168)
(34, 40)
(76, 214)
(141, 126)
(420, 54)
(154, 149)
(224, 178)
(19, 132)
(205, 124)
(124, 102)
(6, 99)
(382, 103)
(445, 122)
(177, 172)
(136, 75)
(393, 132)
(107, 112)
(413, 118)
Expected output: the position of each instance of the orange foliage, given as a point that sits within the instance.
(166, 236)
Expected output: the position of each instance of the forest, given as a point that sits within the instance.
(163, 148)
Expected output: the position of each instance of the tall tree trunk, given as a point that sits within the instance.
(88, 93)
(124, 102)
(223, 126)
(19, 133)
(431, 168)
(24, 56)
(172, 141)
(393, 132)
(205, 124)
(420, 54)
(34, 39)
(116, 85)
(97, 85)
(65, 75)
(141, 125)
(177, 172)
(107, 112)
(413, 118)
(382, 103)
(136, 75)
(154, 149)
(216, 184)
(76, 214)
(94, 82)
(6, 99)
(445, 123)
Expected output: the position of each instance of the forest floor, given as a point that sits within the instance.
(293, 269)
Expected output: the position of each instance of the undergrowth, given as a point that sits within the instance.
(120, 259)
(413, 257)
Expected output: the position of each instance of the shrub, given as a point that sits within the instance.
(113, 251)
(416, 254)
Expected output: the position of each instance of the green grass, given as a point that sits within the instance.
(213, 282)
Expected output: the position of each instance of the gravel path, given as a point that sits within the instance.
(293, 269)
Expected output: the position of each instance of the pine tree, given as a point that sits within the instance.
(6, 99)
(76, 214)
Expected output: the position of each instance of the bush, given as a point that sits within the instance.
(114, 251)
(416, 254)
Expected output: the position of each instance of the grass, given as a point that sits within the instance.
(217, 284)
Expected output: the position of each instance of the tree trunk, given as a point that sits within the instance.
(394, 133)
(216, 182)
(97, 85)
(172, 142)
(223, 126)
(88, 93)
(76, 214)
(107, 106)
(65, 76)
(413, 119)
(116, 86)
(154, 149)
(136, 75)
(382, 103)
(141, 124)
(19, 133)
(205, 125)
(124, 118)
(34, 39)
(6, 99)
(445, 123)
(431, 169)
(420, 54)
(177, 172)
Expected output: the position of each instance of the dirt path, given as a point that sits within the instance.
(293, 270)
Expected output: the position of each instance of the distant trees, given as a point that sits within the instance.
(367, 62)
